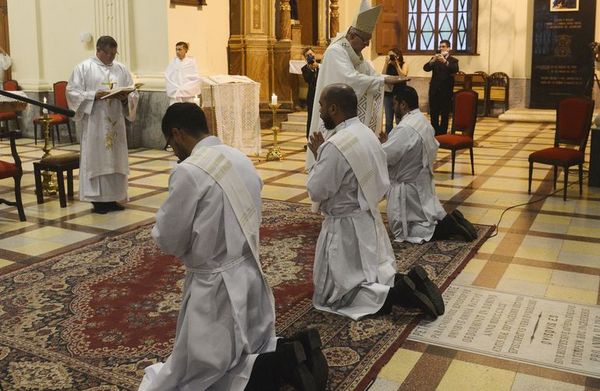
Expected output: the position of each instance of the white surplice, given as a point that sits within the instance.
(341, 64)
(354, 262)
(227, 315)
(413, 208)
(5, 63)
(182, 80)
(103, 166)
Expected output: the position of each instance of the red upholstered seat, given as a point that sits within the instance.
(454, 141)
(563, 156)
(7, 169)
(14, 171)
(55, 119)
(573, 122)
(60, 100)
(464, 119)
(8, 115)
(10, 85)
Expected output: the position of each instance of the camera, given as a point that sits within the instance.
(439, 51)
(393, 57)
(310, 59)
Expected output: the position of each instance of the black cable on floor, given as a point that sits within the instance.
(497, 226)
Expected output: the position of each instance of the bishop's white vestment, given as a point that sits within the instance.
(182, 80)
(210, 221)
(413, 208)
(341, 64)
(103, 165)
(354, 262)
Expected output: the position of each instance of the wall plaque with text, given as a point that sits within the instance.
(562, 62)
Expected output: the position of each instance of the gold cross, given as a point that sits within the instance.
(109, 83)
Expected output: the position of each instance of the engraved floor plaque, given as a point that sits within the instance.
(549, 333)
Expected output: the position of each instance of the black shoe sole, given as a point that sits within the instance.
(420, 299)
(297, 373)
(315, 359)
(459, 229)
(460, 219)
(419, 276)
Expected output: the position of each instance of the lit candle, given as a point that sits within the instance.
(45, 110)
(273, 99)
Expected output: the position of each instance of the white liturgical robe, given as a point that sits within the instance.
(413, 208)
(341, 64)
(5, 63)
(354, 261)
(182, 80)
(103, 166)
(227, 314)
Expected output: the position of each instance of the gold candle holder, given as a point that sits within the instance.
(49, 184)
(274, 153)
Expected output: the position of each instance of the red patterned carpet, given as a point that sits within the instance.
(92, 319)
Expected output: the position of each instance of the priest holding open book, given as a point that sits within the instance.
(102, 93)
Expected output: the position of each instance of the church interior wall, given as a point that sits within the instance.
(206, 29)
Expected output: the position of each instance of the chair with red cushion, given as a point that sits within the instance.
(463, 121)
(13, 170)
(573, 123)
(60, 100)
(10, 85)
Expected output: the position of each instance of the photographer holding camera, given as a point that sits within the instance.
(394, 66)
(443, 66)
(310, 72)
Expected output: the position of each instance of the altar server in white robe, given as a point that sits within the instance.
(225, 336)
(183, 83)
(103, 166)
(343, 62)
(5, 63)
(414, 211)
(354, 270)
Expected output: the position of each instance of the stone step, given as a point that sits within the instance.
(293, 126)
(298, 116)
(528, 115)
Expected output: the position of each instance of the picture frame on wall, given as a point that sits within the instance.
(564, 5)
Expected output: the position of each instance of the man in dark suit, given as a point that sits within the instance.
(310, 72)
(443, 66)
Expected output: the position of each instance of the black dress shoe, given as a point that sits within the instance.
(114, 206)
(100, 208)
(460, 218)
(293, 366)
(456, 228)
(424, 285)
(315, 359)
(407, 295)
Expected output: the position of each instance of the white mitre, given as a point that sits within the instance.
(367, 17)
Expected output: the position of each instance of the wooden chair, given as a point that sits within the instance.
(60, 100)
(10, 85)
(479, 84)
(13, 170)
(498, 90)
(58, 164)
(573, 122)
(464, 120)
(459, 81)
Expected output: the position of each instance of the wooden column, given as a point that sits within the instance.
(249, 48)
(334, 18)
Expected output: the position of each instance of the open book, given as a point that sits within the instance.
(123, 89)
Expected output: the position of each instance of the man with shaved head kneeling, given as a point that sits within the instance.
(355, 270)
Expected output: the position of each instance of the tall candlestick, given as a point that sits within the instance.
(45, 110)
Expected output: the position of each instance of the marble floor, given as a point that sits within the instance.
(548, 249)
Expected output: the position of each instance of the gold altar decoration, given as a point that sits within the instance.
(49, 184)
(274, 153)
